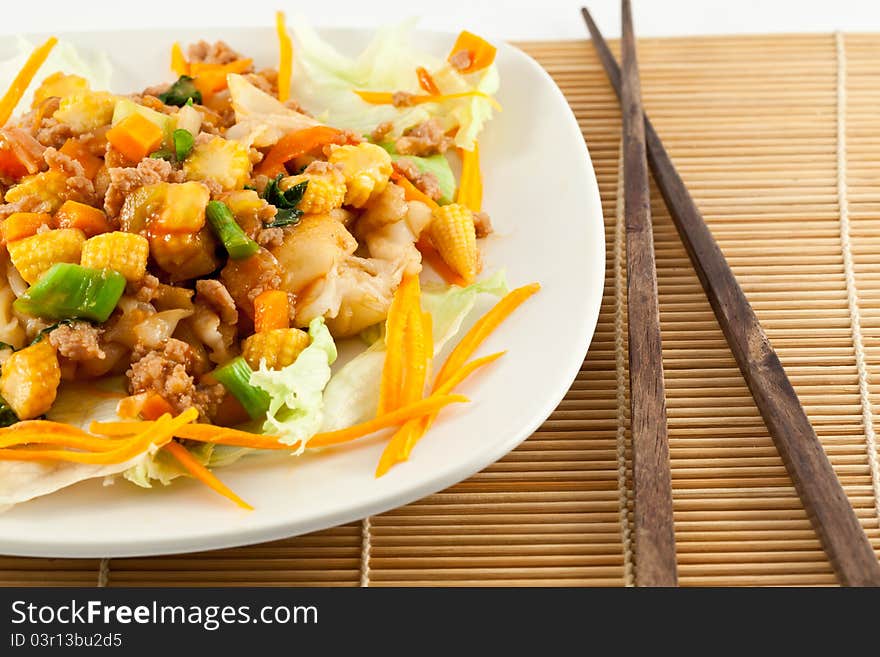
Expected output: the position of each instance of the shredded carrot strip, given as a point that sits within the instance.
(23, 79)
(438, 264)
(481, 330)
(86, 443)
(387, 98)
(392, 419)
(392, 372)
(204, 433)
(179, 65)
(470, 189)
(204, 475)
(394, 446)
(157, 434)
(402, 443)
(415, 350)
(411, 192)
(426, 82)
(285, 57)
(235, 66)
(296, 143)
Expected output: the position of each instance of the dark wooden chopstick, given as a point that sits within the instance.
(653, 527)
(823, 497)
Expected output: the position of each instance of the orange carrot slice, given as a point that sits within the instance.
(387, 98)
(481, 330)
(271, 311)
(426, 81)
(470, 189)
(480, 52)
(411, 192)
(19, 225)
(178, 62)
(296, 143)
(392, 372)
(403, 441)
(157, 434)
(432, 257)
(285, 57)
(23, 79)
(391, 419)
(202, 473)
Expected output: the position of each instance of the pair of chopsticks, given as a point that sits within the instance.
(824, 499)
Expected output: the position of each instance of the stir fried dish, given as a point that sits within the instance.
(188, 256)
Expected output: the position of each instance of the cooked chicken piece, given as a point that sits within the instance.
(320, 268)
(388, 234)
(311, 249)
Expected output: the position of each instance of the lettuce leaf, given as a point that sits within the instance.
(296, 392)
(324, 81)
(352, 394)
(24, 480)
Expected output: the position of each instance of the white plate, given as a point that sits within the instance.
(541, 192)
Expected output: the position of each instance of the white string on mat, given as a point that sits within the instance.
(620, 375)
(103, 572)
(852, 292)
(366, 546)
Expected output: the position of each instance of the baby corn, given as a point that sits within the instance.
(33, 256)
(454, 236)
(30, 379)
(279, 347)
(123, 252)
(325, 191)
(366, 168)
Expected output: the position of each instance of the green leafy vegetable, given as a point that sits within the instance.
(286, 202)
(237, 243)
(296, 391)
(69, 291)
(236, 376)
(437, 165)
(182, 92)
(7, 415)
(183, 143)
(163, 154)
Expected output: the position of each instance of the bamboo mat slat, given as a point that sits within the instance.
(753, 123)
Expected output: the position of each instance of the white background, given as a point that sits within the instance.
(510, 19)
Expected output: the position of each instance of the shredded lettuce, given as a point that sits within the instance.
(92, 65)
(352, 394)
(324, 81)
(164, 468)
(296, 391)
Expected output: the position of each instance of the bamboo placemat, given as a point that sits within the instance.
(778, 139)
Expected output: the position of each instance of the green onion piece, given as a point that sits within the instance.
(7, 415)
(286, 202)
(236, 377)
(181, 92)
(230, 233)
(69, 291)
(183, 143)
(162, 154)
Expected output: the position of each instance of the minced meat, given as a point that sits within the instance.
(166, 372)
(215, 295)
(77, 341)
(425, 139)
